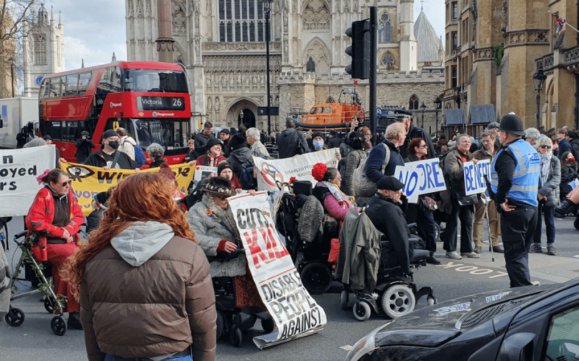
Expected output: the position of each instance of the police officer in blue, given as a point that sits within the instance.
(514, 185)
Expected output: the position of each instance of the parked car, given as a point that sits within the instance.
(526, 323)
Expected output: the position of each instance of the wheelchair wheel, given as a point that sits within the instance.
(245, 324)
(14, 317)
(220, 325)
(48, 304)
(361, 311)
(344, 299)
(58, 326)
(316, 277)
(268, 325)
(235, 336)
(431, 300)
(398, 300)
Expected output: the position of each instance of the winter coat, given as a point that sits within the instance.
(359, 252)
(41, 216)
(240, 159)
(353, 160)
(336, 209)
(291, 142)
(148, 294)
(389, 219)
(206, 161)
(310, 219)
(101, 159)
(376, 160)
(453, 171)
(568, 173)
(201, 142)
(211, 226)
(259, 150)
(575, 148)
(127, 146)
(551, 187)
(413, 133)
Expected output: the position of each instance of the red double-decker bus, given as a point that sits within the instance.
(149, 99)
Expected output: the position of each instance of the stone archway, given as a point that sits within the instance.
(242, 112)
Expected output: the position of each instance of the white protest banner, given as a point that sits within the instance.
(202, 172)
(18, 171)
(295, 313)
(474, 176)
(420, 177)
(274, 171)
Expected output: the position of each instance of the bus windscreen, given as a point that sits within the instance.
(145, 80)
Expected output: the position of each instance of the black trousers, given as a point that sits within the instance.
(466, 216)
(517, 229)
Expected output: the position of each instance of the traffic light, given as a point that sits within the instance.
(359, 50)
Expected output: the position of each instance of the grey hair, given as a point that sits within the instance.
(36, 142)
(155, 148)
(460, 136)
(532, 133)
(395, 130)
(253, 132)
(544, 140)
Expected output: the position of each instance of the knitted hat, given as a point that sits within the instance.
(222, 166)
(213, 141)
(237, 141)
(318, 171)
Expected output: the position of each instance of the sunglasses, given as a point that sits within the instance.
(546, 147)
(67, 183)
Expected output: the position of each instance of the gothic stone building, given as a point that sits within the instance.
(222, 44)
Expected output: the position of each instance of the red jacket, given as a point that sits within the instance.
(40, 217)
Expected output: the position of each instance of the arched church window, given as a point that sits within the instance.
(385, 29)
(413, 103)
(311, 66)
(241, 21)
(388, 60)
(40, 50)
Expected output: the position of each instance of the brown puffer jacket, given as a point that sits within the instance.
(159, 307)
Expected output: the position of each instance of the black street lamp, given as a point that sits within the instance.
(423, 107)
(437, 107)
(539, 80)
(267, 11)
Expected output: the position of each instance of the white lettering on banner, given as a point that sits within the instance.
(474, 176)
(18, 171)
(272, 172)
(420, 177)
(295, 313)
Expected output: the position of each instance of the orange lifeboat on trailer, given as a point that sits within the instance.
(334, 115)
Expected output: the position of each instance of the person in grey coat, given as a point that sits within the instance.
(548, 195)
(215, 229)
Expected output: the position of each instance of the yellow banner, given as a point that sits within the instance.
(88, 181)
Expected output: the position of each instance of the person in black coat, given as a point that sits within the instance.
(291, 141)
(387, 216)
(109, 156)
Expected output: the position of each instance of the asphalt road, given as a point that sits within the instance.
(34, 339)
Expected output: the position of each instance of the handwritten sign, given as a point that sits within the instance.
(420, 177)
(18, 171)
(295, 313)
(474, 176)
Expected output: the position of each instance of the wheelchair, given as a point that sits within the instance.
(40, 277)
(395, 294)
(231, 320)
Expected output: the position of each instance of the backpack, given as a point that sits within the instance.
(140, 158)
(246, 177)
(364, 187)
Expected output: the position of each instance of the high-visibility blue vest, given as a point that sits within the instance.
(527, 173)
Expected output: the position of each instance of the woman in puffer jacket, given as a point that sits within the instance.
(145, 289)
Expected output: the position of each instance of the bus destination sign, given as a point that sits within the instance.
(161, 103)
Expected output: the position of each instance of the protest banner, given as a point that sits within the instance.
(295, 313)
(272, 172)
(19, 169)
(474, 176)
(87, 181)
(420, 177)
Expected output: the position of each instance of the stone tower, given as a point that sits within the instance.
(408, 45)
(42, 49)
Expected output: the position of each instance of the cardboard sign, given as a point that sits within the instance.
(87, 181)
(273, 172)
(295, 313)
(420, 177)
(19, 169)
(474, 176)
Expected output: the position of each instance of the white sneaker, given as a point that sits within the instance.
(470, 255)
(453, 255)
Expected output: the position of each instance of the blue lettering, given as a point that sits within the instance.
(436, 172)
(412, 183)
(468, 177)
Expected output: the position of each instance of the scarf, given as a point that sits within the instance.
(335, 191)
(545, 167)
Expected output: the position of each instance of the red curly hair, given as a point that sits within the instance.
(140, 197)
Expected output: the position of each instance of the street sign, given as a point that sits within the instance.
(263, 110)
